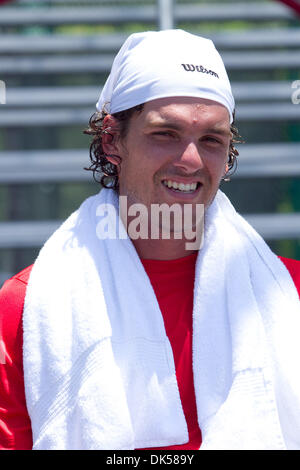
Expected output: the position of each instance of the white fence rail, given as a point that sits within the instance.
(255, 160)
(259, 50)
(33, 234)
(252, 11)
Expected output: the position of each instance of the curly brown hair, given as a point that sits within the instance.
(106, 173)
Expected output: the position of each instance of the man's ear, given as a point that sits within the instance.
(226, 168)
(110, 139)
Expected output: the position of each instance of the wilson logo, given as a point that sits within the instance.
(198, 68)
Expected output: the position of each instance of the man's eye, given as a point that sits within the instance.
(163, 134)
(213, 140)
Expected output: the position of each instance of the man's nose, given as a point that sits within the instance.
(190, 160)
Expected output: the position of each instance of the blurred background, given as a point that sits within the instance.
(54, 58)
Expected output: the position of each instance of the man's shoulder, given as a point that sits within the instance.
(12, 296)
(15, 284)
(22, 276)
(293, 266)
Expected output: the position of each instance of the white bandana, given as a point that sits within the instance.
(153, 65)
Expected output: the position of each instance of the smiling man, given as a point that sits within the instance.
(175, 152)
(138, 341)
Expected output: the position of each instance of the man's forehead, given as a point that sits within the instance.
(177, 110)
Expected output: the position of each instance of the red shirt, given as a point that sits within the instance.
(172, 282)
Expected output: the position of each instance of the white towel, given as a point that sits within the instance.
(98, 366)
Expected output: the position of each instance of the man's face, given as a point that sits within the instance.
(175, 141)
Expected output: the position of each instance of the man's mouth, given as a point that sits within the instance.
(181, 187)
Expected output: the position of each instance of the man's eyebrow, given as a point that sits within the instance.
(218, 130)
(176, 126)
(165, 124)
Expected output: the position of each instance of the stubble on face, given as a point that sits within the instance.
(175, 139)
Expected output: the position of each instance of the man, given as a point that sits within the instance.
(135, 339)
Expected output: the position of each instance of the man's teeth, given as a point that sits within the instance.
(180, 186)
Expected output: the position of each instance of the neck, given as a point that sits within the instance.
(162, 249)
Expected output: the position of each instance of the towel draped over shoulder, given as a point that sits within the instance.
(98, 367)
